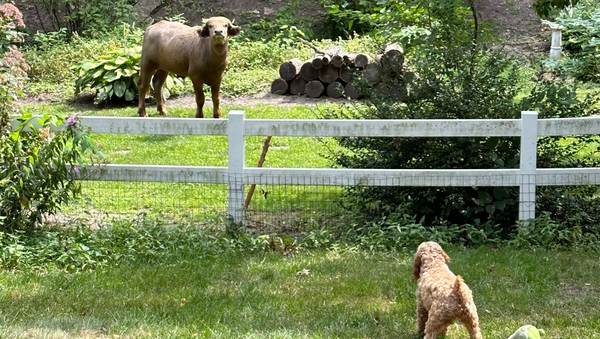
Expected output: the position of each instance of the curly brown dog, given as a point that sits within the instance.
(442, 297)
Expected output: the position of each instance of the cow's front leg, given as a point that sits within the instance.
(198, 90)
(215, 92)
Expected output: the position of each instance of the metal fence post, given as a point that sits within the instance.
(529, 120)
(237, 156)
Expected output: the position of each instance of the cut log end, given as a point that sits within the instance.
(289, 70)
(297, 86)
(279, 86)
(314, 89)
(335, 90)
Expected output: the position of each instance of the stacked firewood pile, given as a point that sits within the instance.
(333, 73)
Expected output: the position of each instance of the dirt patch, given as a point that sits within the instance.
(517, 24)
(189, 100)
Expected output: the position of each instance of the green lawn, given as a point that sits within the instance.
(343, 294)
(201, 201)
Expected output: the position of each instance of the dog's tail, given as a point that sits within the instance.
(462, 290)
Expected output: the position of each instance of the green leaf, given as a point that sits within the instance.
(484, 197)
(490, 209)
(110, 76)
(86, 66)
(109, 67)
(120, 60)
(130, 94)
(500, 205)
(120, 88)
(491, 143)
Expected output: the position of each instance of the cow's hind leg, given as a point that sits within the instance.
(144, 86)
(158, 81)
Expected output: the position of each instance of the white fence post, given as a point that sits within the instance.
(237, 156)
(529, 133)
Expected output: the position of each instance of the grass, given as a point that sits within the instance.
(196, 201)
(344, 294)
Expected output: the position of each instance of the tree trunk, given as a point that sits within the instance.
(289, 70)
(317, 62)
(335, 90)
(373, 73)
(351, 92)
(346, 74)
(361, 60)
(314, 89)
(297, 86)
(337, 60)
(308, 72)
(329, 74)
(279, 86)
(349, 59)
(392, 58)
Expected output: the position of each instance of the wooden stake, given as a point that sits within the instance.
(261, 161)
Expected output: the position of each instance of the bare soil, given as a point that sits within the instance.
(517, 24)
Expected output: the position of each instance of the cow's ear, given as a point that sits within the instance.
(203, 30)
(233, 30)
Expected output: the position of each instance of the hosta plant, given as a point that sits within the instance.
(114, 76)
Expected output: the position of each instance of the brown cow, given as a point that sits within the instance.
(197, 52)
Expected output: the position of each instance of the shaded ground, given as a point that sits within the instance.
(188, 100)
(517, 24)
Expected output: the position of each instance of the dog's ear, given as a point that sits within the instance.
(417, 267)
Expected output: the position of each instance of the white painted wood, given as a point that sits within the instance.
(568, 126)
(237, 157)
(237, 175)
(567, 176)
(528, 161)
(161, 126)
(384, 128)
(337, 177)
(379, 177)
(157, 173)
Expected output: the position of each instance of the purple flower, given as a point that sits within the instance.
(72, 120)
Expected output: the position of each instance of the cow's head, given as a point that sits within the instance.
(218, 29)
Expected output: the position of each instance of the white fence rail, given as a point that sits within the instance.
(236, 175)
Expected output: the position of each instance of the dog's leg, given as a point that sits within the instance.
(422, 316)
(437, 323)
(471, 322)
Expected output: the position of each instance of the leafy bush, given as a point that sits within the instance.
(452, 82)
(38, 169)
(52, 57)
(582, 41)
(113, 75)
(92, 18)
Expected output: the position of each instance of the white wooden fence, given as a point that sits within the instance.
(237, 175)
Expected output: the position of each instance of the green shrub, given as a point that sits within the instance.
(581, 39)
(452, 82)
(93, 18)
(38, 168)
(52, 57)
(115, 75)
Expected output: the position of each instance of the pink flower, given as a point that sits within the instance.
(73, 119)
(9, 11)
